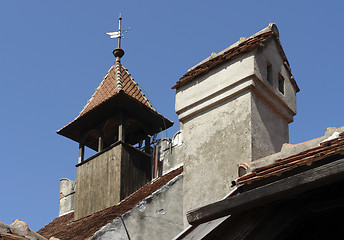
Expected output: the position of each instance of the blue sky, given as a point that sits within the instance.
(53, 54)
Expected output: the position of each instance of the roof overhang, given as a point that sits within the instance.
(151, 120)
(319, 176)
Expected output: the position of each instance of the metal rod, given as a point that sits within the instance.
(119, 30)
(126, 230)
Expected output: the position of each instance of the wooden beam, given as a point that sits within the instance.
(121, 121)
(305, 181)
(147, 145)
(100, 144)
(81, 153)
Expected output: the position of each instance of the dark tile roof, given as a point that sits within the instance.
(64, 228)
(305, 158)
(255, 41)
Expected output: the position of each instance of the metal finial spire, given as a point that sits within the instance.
(118, 52)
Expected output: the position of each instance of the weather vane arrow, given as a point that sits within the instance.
(118, 34)
(114, 34)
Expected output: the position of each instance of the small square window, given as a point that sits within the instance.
(269, 73)
(281, 83)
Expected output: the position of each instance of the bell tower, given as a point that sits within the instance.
(115, 122)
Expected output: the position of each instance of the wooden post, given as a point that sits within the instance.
(100, 138)
(81, 152)
(156, 156)
(147, 145)
(100, 143)
(121, 133)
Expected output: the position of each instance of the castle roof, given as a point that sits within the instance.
(244, 45)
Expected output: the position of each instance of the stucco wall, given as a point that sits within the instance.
(214, 141)
(269, 130)
(271, 54)
(157, 217)
(232, 115)
(213, 87)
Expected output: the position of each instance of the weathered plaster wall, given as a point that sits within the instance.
(214, 142)
(228, 116)
(213, 87)
(157, 217)
(269, 130)
(171, 152)
(67, 194)
(270, 54)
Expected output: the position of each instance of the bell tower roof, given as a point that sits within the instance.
(106, 100)
(107, 89)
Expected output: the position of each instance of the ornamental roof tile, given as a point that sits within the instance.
(107, 89)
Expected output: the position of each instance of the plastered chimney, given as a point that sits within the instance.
(67, 194)
(233, 107)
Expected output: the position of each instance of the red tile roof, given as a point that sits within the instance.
(107, 89)
(305, 158)
(64, 228)
(106, 96)
(255, 41)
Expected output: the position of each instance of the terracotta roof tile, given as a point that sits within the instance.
(255, 41)
(64, 228)
(107, 89)
(106, 94)
(305, 158)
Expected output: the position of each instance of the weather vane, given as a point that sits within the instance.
(118, 53)
(119, 33)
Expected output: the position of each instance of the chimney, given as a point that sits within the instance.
(67, 194)
(233, 107)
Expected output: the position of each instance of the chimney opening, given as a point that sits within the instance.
(281, 83)
(269, 73)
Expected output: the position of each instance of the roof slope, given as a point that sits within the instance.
(305, 158)
(64, 228)
(107, 89)
(106, 100)
(237, 49)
